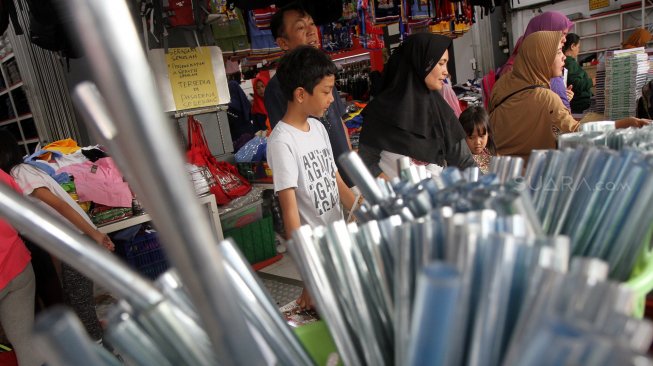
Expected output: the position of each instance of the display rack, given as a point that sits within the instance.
(608, 31)
(207, 201)
(15, 112)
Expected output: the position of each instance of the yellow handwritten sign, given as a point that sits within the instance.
(191, 77)
(598, 4)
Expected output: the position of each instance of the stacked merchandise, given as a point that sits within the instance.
(650, 67)
(263, 17)
(456, 270)
(626, 72)
(598, 102)
(264, 47)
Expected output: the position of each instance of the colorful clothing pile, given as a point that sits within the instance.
(263, 17)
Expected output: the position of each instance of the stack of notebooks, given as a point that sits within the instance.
(598, 102)
(626, 71)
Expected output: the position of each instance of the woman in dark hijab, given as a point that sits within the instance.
(238, 113)
(410, 117)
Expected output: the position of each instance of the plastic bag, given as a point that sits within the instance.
(253, 150)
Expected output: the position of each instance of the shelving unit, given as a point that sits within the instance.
(606, 32)
(207, 201)
(15, 112)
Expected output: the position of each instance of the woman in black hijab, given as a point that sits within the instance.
(410, 117)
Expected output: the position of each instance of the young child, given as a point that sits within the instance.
(476, 123)
(306, 179)
(44, 190)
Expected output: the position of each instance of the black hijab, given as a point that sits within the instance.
(406, 117)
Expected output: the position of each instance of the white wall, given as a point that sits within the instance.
(520, 19)
(463, 47)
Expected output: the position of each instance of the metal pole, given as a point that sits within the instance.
(143, 134)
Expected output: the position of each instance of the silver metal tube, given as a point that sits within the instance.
(123, 76)
(76, 249)
(261, 310)
(313, 272)
(61, 338)
(133, 343)
(358, 173)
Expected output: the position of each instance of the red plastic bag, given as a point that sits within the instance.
(229, 183)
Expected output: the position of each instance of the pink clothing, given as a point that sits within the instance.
(100, 182)
(547, 21)
(14, 256)
(451, 98)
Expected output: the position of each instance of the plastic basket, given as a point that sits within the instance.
(144, 253)
(255, 240)
(317, 341)
(242, 216)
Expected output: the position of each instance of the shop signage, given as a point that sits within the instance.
(191, 77)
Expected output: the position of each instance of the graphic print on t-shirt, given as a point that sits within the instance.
(320, 178)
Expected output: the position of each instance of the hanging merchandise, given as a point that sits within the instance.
(419, 9)
(371, 35)
(349, 9)
(452, 17)
(229, 29)
(418, 14)
(230, 183)
(338, 36)
(353, 79)
(181, 13)
(385, 11)
(187, 17)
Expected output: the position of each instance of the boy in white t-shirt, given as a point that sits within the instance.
(305, 176)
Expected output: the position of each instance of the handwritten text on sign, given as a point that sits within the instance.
(191, 77)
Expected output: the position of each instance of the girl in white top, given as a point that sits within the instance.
(44, 190)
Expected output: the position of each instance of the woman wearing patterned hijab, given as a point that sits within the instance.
(522, 106)
(547, 21)
(409, 117)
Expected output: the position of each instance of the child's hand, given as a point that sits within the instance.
(304, 300)
(570, 93)
(104, 240)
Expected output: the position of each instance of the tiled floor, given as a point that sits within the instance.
(285, 268)
(282, 280)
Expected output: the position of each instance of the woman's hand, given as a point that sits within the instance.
(103, 240)
(631, 122)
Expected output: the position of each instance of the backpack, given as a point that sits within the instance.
(47, 28)
(645, 102)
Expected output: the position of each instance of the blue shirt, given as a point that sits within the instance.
(276, 105)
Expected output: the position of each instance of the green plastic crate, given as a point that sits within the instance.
(255, 240)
